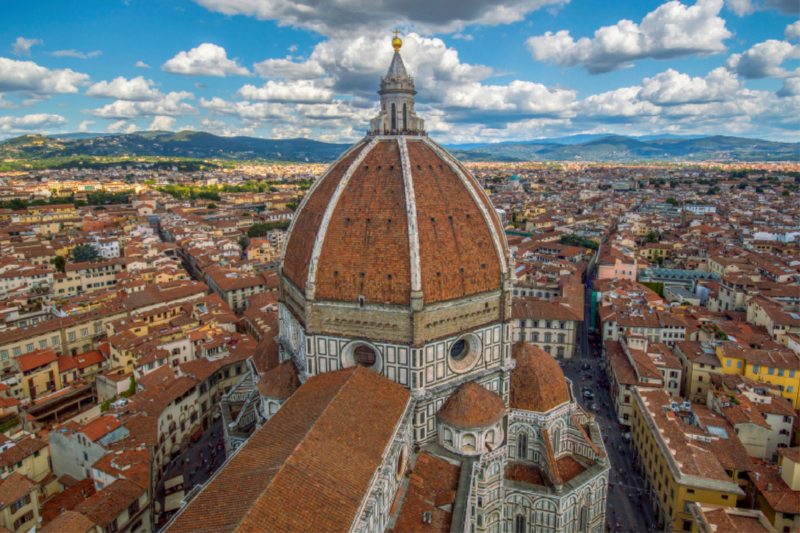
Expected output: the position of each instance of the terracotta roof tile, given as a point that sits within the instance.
(280, 382)
(432, 484)
(472, 406)
(537, 383)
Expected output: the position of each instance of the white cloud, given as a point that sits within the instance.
(30, 123)
(346, 17)
(764, 60)
(168, 105)
(466, 37)
(84, 126)
(32, 79)
(162, 123)
(218, 127)
(75, 53)
(296, 91)
(287, 69)
(22, 46)
(116, 126)
(137, 89)
(792, 31)
(293, 48)
(142, 64)
(206, 60)
(259, 111)
(521, 98)
(748, 7)
(674, 88)
(672, 30)
(791, 87)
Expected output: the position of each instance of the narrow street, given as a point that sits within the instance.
(197, 459)
(624, 506)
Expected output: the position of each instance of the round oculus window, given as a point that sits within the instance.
(464, 353)
(364, 355)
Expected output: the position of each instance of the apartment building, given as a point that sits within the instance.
(686, 457)
(19, 503)
(699, 362)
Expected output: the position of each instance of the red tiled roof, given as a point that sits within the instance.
(100, 427)
(472, 406)
(311, 463)
(431, 485)
(537, 383)
(36, 359)
(280, 382)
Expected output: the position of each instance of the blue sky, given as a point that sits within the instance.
(485, 70)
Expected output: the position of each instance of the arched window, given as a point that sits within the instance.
(547, 349)
(394, 117)
(560, 351)
(522, 446)
(548, 337)
(519, 524)
(448, 436)
(535, 337)
(561, 337)
(468, 442)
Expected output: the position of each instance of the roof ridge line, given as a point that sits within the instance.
(322, 232)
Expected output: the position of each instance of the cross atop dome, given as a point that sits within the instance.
(397, 92)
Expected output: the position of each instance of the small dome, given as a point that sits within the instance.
(471, 407)
(397, 43)
(280, 382)
(537, 383)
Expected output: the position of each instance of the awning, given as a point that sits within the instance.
(197, 434)
(173, 501)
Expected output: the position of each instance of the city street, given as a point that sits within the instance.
(193, 460)
(630, 513)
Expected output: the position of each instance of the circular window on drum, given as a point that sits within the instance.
(464, 353)
(362, 354)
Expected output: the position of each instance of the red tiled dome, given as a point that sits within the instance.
(537, 383)
(471, 407)
(392, 216)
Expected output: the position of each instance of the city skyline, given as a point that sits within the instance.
(485, 72)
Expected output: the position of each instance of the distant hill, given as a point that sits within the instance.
(202, 145)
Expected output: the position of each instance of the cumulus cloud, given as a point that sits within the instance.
(674, 88)
(521, 98)
(258, 111)
(673, 30)
(137, 89)
(75, 53)
(30, 123)
(792, 31)
(121, 126)
(170, 104)
(223, 129)
(748, 7)
(288, 69)
(162, 123)
(22, 46)
(344, 17)
(206, 60)
(791, 87)
(302, 91)
(764, 60)
(142, 64)
(84, 126)
(36, 81)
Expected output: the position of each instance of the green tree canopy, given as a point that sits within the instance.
(672, 201)
(84, 253)
(261, 229)
(59, 263)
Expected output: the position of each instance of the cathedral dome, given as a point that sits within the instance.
(472, 407)
(395, 218)
(537, 383)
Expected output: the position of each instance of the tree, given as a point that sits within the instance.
(212, 205)
(59, 262)
(244, 242)
(672, 201)
(84, 253)
(261, 229)
(652, 237)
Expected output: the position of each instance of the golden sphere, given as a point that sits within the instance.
(397, 43)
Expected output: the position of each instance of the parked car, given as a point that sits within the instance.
(588, 395)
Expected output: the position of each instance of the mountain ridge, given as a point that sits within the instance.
(204, 145)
